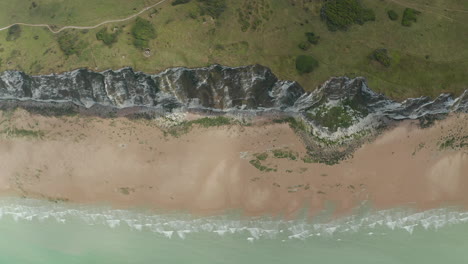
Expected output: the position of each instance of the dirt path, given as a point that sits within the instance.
(85, 27)
(430, 9)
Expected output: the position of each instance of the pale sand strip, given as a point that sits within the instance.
(132, 163)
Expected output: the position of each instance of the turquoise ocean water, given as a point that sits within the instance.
(35, 231)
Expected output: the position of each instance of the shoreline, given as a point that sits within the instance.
(208, 170)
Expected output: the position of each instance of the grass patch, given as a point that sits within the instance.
(17, 132)
(212, 121)
(206, 122)
(308, 159)
(261, 156)
(284, 154)
(341, 14)
(257, 164)
(453, 142)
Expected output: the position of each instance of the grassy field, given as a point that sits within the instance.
(429, 57)
(67, 12)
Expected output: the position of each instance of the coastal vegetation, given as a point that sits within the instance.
(341, 14)
(257, 162)
(284, 154)
(143, 32)
(306, 64)
(312, 38)
(392, 15)
(70, 43)
(332, 117)
(213, 8)
(253, 14)
(381, 56)
(106, 37)
(179, 2)
(205, 122)
(19, 132)
(14, 32)
(409, 16)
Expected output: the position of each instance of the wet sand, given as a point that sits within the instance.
(207, 170)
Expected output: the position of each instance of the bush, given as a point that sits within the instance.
(213, 8)
(14, 32)
(409, 16)
(312, 38)
(381, 55)
(180, 2)
(106, 37)
(304, 45)
(143, 31)
(392, 15)
(306, 64)
(70, 43)
(341, 14)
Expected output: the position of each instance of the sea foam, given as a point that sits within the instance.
(184, 225)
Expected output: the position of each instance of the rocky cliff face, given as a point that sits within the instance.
(340, 105)
(250, 87)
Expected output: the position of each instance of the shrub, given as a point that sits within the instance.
(381, 55)
(213, 8)
(306, 64)
(392, 15)
(409, 16)
(142, 31)
(106, 37)
(180, 2)
(14, 32)
(312, 38)
(70, 43)
(341, 14)
(304, 45)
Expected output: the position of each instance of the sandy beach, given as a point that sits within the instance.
(127, 162)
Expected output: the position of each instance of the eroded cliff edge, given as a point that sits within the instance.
(333, 120)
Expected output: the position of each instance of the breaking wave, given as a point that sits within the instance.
(184, 225)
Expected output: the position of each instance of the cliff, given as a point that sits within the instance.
(341, 106)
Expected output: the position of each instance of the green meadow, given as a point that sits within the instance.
(427, 57)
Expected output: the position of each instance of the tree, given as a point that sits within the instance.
(143, 31)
